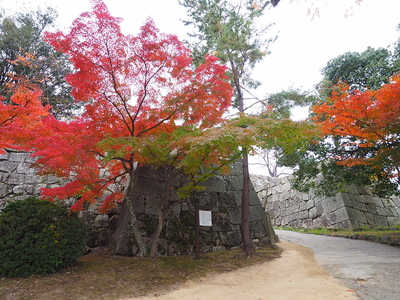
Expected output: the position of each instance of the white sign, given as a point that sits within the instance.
(205, 218)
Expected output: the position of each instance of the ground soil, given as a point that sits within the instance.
(296, 275)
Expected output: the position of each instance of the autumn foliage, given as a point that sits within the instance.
(134, 89)
(368, 124)
(20, 113)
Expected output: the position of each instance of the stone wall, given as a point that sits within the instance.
(222, 197)
(18, 180)
(355, 208)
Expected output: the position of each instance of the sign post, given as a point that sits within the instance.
(202, 218)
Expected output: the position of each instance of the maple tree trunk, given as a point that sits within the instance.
(248, 246)
(128, 227)
(157, 232)
(163, 207)
(134, 227)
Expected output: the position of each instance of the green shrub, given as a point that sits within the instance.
(39, 237)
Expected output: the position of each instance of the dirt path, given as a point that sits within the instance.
(296, 275)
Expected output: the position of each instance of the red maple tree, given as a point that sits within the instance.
(368, 124)
(134, 87)
(22, 111)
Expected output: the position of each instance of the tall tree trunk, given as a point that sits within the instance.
(127, 233)
(134, 224)
(164, 207)
(248, 246)
(157, 232)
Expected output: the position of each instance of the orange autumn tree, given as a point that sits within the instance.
(22, 111)
(367, 125)
(135, 88)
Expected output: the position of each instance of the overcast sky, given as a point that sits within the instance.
(303, 47)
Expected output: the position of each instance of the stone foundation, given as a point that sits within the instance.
(222, 197)
(355, 208)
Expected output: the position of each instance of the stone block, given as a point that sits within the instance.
(234, 182)
(345, 225)
(39, 187)
(302, 215)
(274, 198)
(52, 179)
(358, 206)
(206, 200)
(295, 208)
(231, 238)
(101, 221)
(3, 189)
(383, 211)
(4, 156)
(235, 215)
(352, 189)
(316, 223)
(286, 220)
(24, 168)
(341, 214)
(227, 199)
(275, 205)
(386, 202)
(221, 222)
(148, 186)
(320, 208)
(346, 199)
(30, 159)
(381, 221)
(138, 203)
(392, 221)
(332, 217)
(256, 213)
(286, 186)
(324, 221)
(277, 222)
(32, 179)
(215, 184)
(279, 189)
(353, 197)
(332, 203)
(307, 223)
(355, 215)
(175, 213)
(310, 204)
(312, 213)
(19, 190)
(361, 199)
(371, 208)
(17, 156)
(254, 200)
(151, 206)
(318, 199)
(370, 218)
(303, 196)
(378, 202)
(8, 166)
(16, 179)
(258, 229)
(395, 211)
(396, 201)
(302, 206)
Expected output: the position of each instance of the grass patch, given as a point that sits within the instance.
(97, 276)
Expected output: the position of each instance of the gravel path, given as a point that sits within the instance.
(370, 269)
